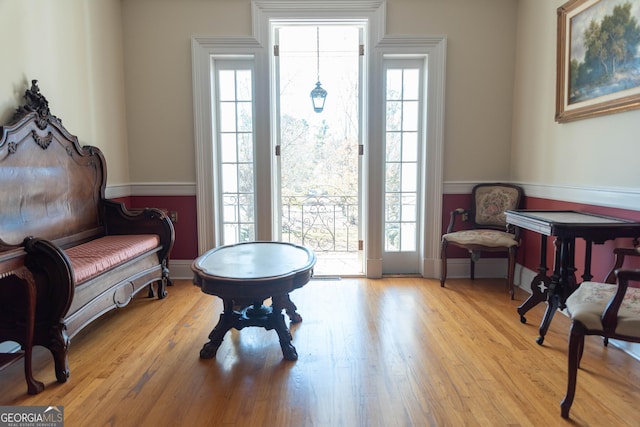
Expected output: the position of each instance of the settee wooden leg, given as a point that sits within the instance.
(162, 283)
(59, 347)
(162, 288)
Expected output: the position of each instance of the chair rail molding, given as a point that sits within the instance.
(151, 189)
(613, 197)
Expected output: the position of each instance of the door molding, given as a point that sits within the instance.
(203, 50)
(434, 49)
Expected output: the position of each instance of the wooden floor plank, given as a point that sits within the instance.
(390, 352)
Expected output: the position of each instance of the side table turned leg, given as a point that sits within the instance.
(228, 319)
(288, 350)
(283, 302)
(539, 284)
(539, 293)
(288, 305)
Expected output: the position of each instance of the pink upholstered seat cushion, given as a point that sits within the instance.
(90, 259)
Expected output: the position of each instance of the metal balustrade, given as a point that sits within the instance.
(324, 223)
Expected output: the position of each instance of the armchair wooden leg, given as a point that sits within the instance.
(511, 271)
(576, 345)
(443, 262)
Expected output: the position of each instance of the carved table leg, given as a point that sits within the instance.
(228, 320)
(554, 303)
(288, 350)
(291, 309)
(255, 314)
(539, 290)
(563, 276)
(539, 284)
(277, 321)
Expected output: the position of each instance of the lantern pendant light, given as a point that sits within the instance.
(318, 94)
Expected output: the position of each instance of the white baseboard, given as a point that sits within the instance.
(180, 269)
(458, 268)
(631, 348)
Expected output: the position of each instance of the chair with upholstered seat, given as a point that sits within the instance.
(488, 228)
(606, 309)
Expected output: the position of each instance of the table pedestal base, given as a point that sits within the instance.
(556, 288)
(539, 293)
(256, 314)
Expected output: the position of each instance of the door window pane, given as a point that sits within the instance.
(394, 146)
(402, 155)
(228, 148)
(235, 137)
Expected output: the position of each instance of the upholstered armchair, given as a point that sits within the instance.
(606, 309)
(488, 228)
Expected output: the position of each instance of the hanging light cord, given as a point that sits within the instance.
(318, 51)
(318, 94)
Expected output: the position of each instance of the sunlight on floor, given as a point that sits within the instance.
(338, 264)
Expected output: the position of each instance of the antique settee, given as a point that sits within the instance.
(67, 253)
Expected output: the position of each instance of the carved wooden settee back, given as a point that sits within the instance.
(50, 186)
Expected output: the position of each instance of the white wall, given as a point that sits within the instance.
(157, 49)
(89, 55)
(74, 49)
(479, 92)
(480, 68)
(593, 153)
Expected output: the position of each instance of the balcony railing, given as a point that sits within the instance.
(323, 223)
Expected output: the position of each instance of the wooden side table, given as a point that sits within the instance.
(565, 226)
(12, 265)
(244, 276)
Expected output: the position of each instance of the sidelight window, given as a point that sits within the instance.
(235, 135)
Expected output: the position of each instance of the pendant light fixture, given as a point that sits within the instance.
(318, 94)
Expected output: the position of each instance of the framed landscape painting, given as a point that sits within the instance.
(598, 58)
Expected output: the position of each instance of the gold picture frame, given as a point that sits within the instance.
(597, 74)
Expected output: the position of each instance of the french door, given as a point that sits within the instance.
(318, 150)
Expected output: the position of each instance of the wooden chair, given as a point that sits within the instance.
(607, 309)
(488, 231)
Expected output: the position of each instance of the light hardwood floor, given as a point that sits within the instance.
(390, 352)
